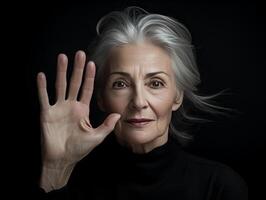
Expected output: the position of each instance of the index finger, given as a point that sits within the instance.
(88, 85)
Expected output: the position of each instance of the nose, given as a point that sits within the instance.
(138, 101)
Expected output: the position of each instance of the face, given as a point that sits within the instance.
(141, 87)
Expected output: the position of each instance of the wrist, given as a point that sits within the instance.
(55, 178)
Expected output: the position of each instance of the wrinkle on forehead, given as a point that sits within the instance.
(139, 59)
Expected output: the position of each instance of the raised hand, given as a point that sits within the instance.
(67, 135)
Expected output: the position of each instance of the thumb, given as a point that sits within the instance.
(109, 124)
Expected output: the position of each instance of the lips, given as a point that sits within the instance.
(138, 120)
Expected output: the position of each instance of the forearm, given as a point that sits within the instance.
(55, 178)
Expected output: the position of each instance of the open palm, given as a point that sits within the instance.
(67, 134)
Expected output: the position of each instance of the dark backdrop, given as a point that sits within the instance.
(230, 47)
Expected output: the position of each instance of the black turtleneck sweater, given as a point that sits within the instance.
(167, 172)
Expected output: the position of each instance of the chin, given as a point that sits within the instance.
(137, 137)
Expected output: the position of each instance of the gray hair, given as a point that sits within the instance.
(133, 25)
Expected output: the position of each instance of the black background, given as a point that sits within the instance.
(230, 46)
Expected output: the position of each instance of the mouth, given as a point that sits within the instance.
(140, 122)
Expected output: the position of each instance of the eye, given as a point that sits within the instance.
(119, 85)
(156, 84)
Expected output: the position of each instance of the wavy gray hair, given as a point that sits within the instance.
(133, 25)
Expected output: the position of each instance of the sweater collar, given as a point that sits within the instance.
(149, 167)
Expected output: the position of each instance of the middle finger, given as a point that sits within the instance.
(77, 73)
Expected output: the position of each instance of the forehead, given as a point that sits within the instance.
(146, 56)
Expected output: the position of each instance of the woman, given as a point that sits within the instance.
(146, 71)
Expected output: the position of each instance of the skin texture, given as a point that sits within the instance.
(140, 84)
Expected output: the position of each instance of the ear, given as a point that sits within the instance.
(178, 100)
(100, 102)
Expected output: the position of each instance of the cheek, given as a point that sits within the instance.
(163, 113)
(162, 108)
(162, 104)
(115, 103)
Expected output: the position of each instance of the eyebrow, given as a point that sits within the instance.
(146, 76)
